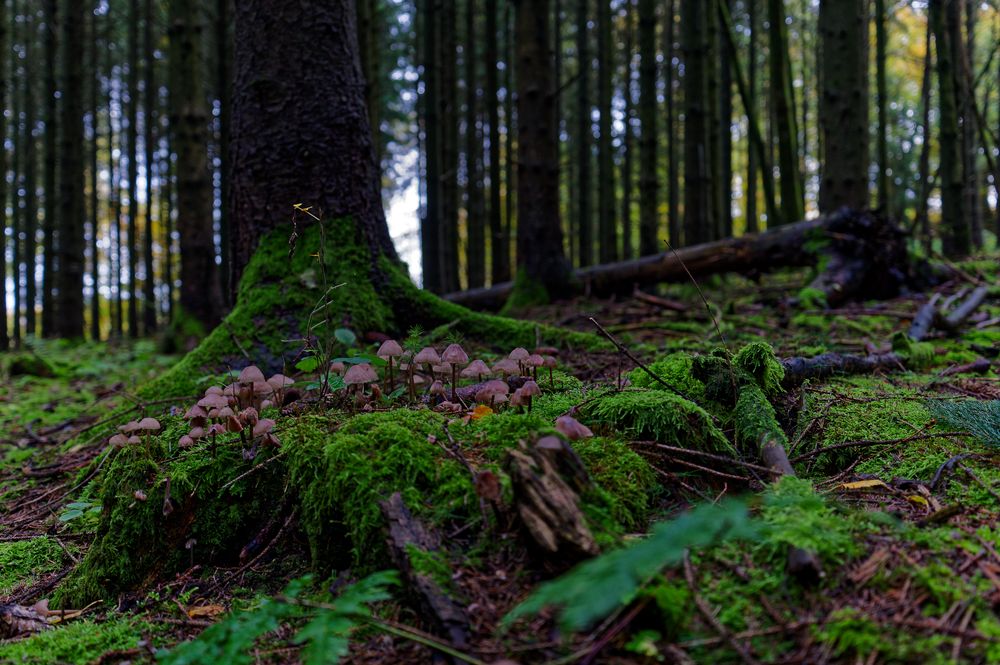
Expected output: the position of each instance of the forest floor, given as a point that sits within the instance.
(898, 499)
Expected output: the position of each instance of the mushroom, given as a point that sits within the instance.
(455, 355)
(572, 428)
(118, 440)
(507, 367)
(196, 433)
(427, 356)
(493, 392)
(278, 383)
(519, 355)
(249, 416)
(338, 368)
(131, 427)
(437, 389)
(389, 350)
(550, 363)
(534, 361)
(518, 398)
(477, 368)
(185, 441)
(214, 390)
(528, 390)
(251, 374)
(149, 426)
(213, 401)
(360, 375)
(197, 415)
(263, 426)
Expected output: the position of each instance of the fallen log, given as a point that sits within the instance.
(864, 253)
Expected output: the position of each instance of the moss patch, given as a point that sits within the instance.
(78, 642)
(22, 561)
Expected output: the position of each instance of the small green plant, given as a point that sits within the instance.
(324, 628)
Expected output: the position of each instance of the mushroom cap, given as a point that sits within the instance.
(506, 366)
(534, 360)
(196, 412)
(213, 402)
(390, 349)
(249, 416)
(476, 368)
(134, 439)
(230, 390)
(217, 428)
(442, 369)
(131, 427)
(499, 385)
(233, 424)
(225, 412)
(262, 388)
(338, 367)
(251, 374)
(266, 404)
(196, 432)
(518, 398)
(360, 374)
(427, 356)
(530, 389)
(279, 382)
(518, 354)
(185, 441)
(263, 426)
(455, 355)
(149, 425)
(437, 388)
(550, 443)
(213, 390)
(549, 361)
(419, 379)
(547, 351)
(572, 428)
(118, 440)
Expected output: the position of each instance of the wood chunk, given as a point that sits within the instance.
(20, 621)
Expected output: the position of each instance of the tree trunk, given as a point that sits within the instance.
(133, 168)
(510, 122)
(430, 231)
(114, 194)
(783, 100)
(69, 323)
(474, 204)
(649, 223)
(726, 135)
(29, 252)
(964, 58)
(49, 184)
(956, 237)
(540, 259)
(843, 27)
(699, 214)
(673, 169)
(752, 219)
(499, 245)
(585, 136)
(93, 104)
(149, 120)
(881, 43)
(4, 54)
(201, 293)
(607, 236)
(17, 170)
(449, 145)
(627, 142)
(224, 89)
(922, 221)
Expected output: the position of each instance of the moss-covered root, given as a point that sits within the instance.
(327, 276)
(757, 427)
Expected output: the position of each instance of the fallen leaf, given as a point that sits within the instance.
(481, 411)
(864, 485)
(205, 611)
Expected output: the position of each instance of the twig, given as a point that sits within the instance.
(711, 456)
(866, 442)
(631, 357)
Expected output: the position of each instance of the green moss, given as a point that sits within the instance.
(757, 359)
(675, 371)
(78, 642)
(918, 355)
(432, 564)
(22, 561)
(527, 293)
(26, 363)
(135, 542)
(625, 477)
(659, 416)
(812, 298)
(342, 477)
(798, 517)
(754, 419)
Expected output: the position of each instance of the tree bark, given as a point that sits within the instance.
(17, 172)
(540, 257)
(752, 218)
(843, 27)
(449, 146)
(627, 169)
(300, 123)
(224, 89)
(28, 255)
(699, 213)
(585, 137)
(674, 229)
(964, 56)
(499, 243)
(133, 169)
(956, 232)
(4, 51)
(474, 204)
(149, 121)
(783, 100)
(49, 184)
(93, 104)
(201, 293)
(606, 232)
(69, 323)
(649, 224)
(430, 230)
(922, 218)
(881, 44)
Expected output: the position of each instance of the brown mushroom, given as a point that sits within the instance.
(389, 351)
(477, 368)
(455, 355)
(506, 367)
(550, 363)
(572, 429)
(528, 390)
(519, 355)
(360, 375)
(278, 383)
(250, 375)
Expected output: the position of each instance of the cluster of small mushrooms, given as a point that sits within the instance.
(429, 371)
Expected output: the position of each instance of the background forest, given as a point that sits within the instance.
(675, 122)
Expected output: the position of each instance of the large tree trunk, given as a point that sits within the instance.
(133, 168)
(606, 227)
(93, 104)
(300, 123)
(956, 232)
(69, 323)
(783, 100)
(149, 120)
(674, 231)
(540, 259)
(585, 136)
(474, 204)
(30, 177)
(499, 242)
(699, 213)
(4, 335)
(201, 293)
(865, 255)
(843, 27)
(49, 46)
(649, 226)
(752, 221)
(881, 43)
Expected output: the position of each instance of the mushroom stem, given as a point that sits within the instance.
(389, 387)
(552, 383)
(454, 382)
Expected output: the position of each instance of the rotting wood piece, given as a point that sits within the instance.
(406, 534)
(548, 506)
(20, 621)
(865, 254)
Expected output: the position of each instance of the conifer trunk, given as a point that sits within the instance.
(783, 99)
(499, 245)
(649, 225)
(474, 205)
(607, 237)
(30, 176)
(585, 137)
(4, 51)
(49, 184)
(149, 120)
